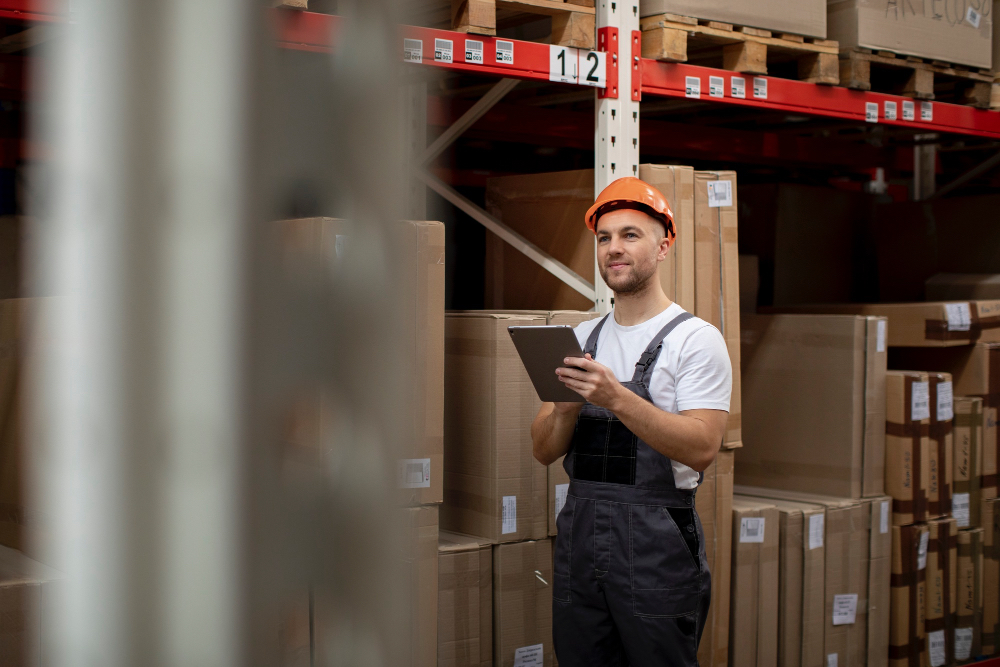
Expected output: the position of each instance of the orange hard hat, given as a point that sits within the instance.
(632, 192)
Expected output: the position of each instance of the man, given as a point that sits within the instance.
(631, 582)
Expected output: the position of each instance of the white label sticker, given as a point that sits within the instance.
(474, 51)
(752, 529)
(413, 50)
(508, 521)
(960, 509)
(973, 17)
(563, 62)
(692, 86)
(443, 49)
(927, 111)
(890, 111)
(945, 405)
(340, 246)
(845, 609)
(816, 523)
(871, 112)
(920, 403)
(414, 473)
(908, 113)
(884, 519)
(963, 643)
(716, 86)
(505, 52)
(720, 193)
(935, 646)
(922, 550)
(760, 88)
(880, 336)
(594, 69)
(831, 660)
(738, 87)
(959, 316)
(529, 656)
(561, 491)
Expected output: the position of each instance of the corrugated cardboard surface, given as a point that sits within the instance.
(940, 466)
(26, 610)
(753, 631)
(489, 406)
(907, 445)
(907, 631)
(968, 456)
(991, 576)
(969, 604)
(942, 582)
(879, 576)
(975, 369)
(714, 504)
(801, 18)
(933, 30)
(522, 600)
(827, 376)
(420, 281)
(465, 601)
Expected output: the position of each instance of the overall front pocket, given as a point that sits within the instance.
(666, 579)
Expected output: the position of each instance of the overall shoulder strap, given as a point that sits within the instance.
(591, 346)
(644, 367)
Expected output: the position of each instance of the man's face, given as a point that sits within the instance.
(630, 246)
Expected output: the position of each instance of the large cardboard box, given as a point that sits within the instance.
(935, 31)
(963, 286)
(522, 604)
(907, 445)
(930, 324)
(801, 18)
(420, 282)
(493, 487)
(815, 396)
(991, 576)
(465, 601)
(27, 599)
(753, 630)
(714, 504)
(907, 645)
(968, 461)
(940, 468)
(969, 617)
(942, 594)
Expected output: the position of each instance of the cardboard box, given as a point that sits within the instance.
(968, 461)
(991, 576)
(909, 571)
(942, 582)
(522, 604)
(879, 580)
(493, 487)
(925, 30)
(27, 599)
(940, 468)
(753, 631)
(465, 601)
(907, 445)
(815, 395)
(963, 286)
(931, 324)
(714, 504)
(969, 617)
(420, 282)
(801, 18)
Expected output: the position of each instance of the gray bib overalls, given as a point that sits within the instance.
(632, 585)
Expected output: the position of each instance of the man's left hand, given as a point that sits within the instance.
(593, 381)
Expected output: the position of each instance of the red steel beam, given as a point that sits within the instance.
(32, 10)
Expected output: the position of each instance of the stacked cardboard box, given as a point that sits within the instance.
(465, 601)
(941, 582)
(991, 576)
(968, 461)
(940, 464)
(907, 645)
(753, 633)
(907, 445)
(522, 604)
(969, 605)
(714, 504)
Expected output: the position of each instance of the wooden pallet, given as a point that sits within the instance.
(573, 21)
(922, 79)
(675, 38)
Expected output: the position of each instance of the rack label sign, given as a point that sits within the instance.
(443, 49)
(473, 51)
(563, 63)
(738, 87)
(871, 112)
(760, 88)
(413, 50)
(505, 52)
(593, 69)
(692, 87)
(890, 111)
(716, 86)
(908, 113)
(927, 111)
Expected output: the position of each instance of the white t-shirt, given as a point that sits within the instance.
(693, 371)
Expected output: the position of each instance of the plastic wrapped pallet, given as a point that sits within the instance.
(522, 604)
(465, 601)
(907, 635)
(969, 617)
(940, 464)
(942, 582)
(968, 461)
(753, 630)
(907, 445)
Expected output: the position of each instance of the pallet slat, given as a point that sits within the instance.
(573, 23)
(913, 77)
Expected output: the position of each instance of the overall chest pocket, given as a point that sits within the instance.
(666, 577)
(604, 450)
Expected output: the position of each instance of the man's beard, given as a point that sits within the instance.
(633, 282)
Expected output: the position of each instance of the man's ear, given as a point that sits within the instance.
(664, 249)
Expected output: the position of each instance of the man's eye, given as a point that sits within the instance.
(631, 235)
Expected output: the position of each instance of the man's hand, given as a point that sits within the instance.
(593, 381)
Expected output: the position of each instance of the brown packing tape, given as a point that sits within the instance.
(938, 329)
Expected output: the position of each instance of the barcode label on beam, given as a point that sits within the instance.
(443, 49)
(473, 51)
(738, 87)
(505, 52)
(890, 111)
(692, 87)
(871, 112)
(413, 50)
(908, 111)
(760, 88)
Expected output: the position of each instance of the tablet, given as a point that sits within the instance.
(542, 350)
